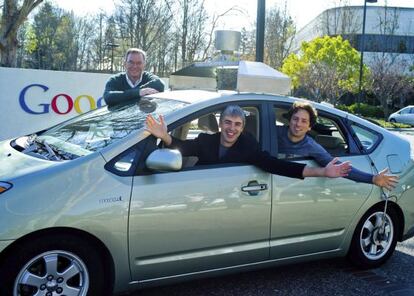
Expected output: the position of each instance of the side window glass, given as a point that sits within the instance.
(130, 162)
(326, 132)
(125, 162)
(405, 111)
(368, 139)
(209, 123)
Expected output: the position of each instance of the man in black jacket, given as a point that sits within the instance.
(231, 145)
(134, 82)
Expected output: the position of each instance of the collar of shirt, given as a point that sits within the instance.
(131, 84)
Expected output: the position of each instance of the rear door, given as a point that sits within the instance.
(312, 215)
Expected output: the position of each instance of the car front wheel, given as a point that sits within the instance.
(375, 238)
(60, 265)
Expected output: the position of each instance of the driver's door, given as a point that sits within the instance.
(198, 219)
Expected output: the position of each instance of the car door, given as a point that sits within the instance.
(312, 215)
(200, 218)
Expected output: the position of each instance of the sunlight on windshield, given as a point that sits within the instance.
(102, 127)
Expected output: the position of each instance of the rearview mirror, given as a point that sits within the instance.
(164, 160)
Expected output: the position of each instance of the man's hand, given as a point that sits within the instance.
(333, 170)
(158, 129)
(383, 180)
(147, 91)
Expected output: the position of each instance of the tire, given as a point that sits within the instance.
(369, 248)
(54, 265)
(392, 120)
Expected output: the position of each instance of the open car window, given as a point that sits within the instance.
(208, 122)
(327, 132)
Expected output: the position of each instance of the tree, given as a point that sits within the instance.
(248, 45)
(11, 20)
(56, 42)
(325, 68)
(341, 19)
(389, 86)
(142, 24)
(389, 81)
(280, 30)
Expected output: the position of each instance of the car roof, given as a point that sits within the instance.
(199, 99)
(191, 96)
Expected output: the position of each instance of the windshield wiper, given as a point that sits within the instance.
(53, 152)
(49, 149)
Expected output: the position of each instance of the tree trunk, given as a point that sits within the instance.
(12, 18)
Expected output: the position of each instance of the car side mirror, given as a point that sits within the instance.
(164, 160)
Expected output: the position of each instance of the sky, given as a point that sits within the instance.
(302, 11)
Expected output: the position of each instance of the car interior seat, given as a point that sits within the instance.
(334, 145)
(251, 126)
(208, 123)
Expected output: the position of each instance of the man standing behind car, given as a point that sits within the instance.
(134, 82)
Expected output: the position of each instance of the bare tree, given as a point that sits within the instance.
(142, 23)
(214, 21)
(248, 44)
(342, 19)
(84, 27)
(280, 30)
(389, 86)
(12, 18)
(389, 81)
(192, 19)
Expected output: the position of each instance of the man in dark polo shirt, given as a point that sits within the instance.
(134, 82)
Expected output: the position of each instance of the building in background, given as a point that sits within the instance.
(389, 32)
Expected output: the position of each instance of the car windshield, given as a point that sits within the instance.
(101, 127)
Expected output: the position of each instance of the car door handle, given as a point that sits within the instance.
(253, 188)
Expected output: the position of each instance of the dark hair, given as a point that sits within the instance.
(301, 105)
(233, 111)
(135, 50)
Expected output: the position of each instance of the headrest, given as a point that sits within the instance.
(208, 123)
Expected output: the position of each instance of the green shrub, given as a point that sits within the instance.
(363, 110)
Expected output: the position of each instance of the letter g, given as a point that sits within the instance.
(23, 104)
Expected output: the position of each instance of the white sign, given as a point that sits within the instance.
(32, 100)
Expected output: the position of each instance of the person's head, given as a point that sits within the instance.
(232, 121)
(134, 63)
(302, 116)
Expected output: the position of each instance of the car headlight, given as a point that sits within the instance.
(4, 186)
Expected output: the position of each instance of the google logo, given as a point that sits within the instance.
(69, 105)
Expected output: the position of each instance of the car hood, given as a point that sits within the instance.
(14, 163)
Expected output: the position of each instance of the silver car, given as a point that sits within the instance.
(96, 206)
(404, 115)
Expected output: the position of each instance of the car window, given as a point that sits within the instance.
(368, 138)
(131, 161)
(208, 122)
(327, 132)
(405, 111)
